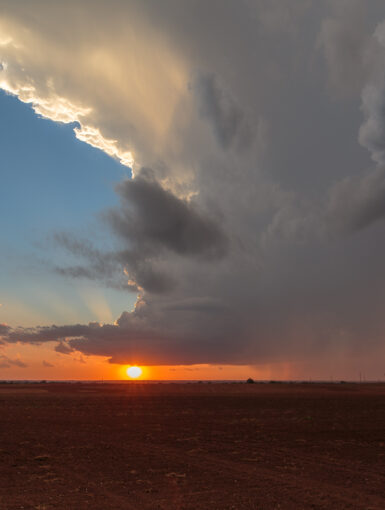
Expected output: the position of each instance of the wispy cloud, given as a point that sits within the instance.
(6, 362)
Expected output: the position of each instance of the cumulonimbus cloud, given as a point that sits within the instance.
(258, 122)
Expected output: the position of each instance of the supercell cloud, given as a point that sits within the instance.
(252, 229)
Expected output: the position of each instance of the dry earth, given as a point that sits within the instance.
(192, 446)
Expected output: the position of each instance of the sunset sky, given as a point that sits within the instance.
(194, 187)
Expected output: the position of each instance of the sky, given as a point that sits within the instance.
(197, 188)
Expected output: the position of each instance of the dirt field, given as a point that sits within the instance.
(192, 446)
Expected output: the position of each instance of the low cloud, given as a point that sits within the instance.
(6, 362)
(4, 328)
(63, 348)
(149, 222)
(155, 219)
(356, 203)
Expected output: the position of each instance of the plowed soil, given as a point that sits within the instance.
(192, 446)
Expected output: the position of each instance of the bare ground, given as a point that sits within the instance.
(192, 446)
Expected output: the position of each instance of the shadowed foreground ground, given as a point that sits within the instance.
(192, 446)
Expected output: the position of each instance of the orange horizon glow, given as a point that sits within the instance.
(42, 362)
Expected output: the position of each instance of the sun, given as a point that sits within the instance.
(134, 372)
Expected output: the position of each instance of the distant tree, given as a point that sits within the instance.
(250, 381)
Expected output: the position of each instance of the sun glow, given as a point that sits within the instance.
(134, 372)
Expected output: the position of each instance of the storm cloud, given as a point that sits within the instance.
(154, 219)
(150, 220)
(215, 104)
(252, 227)
(356, 203)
